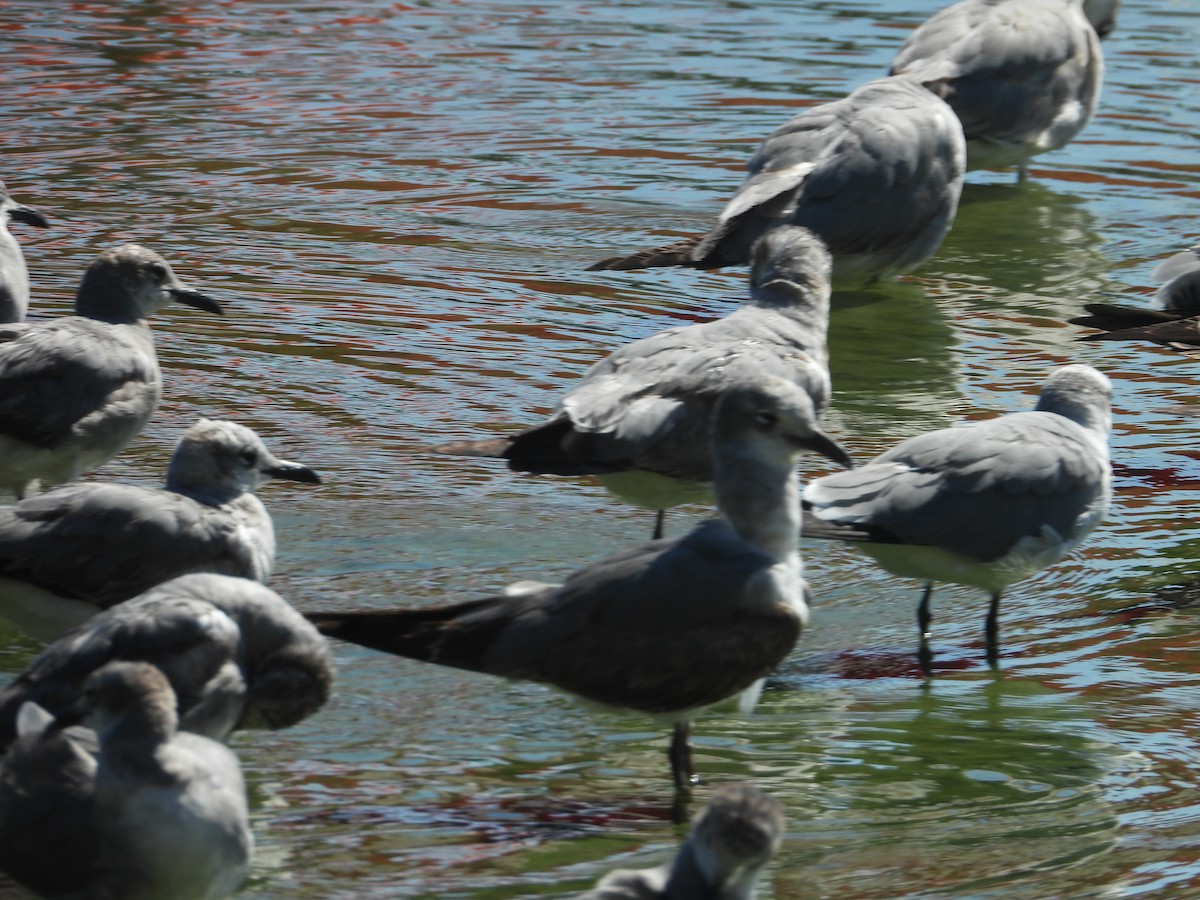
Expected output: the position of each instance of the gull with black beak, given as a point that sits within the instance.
(74, 391)
(14, 277)
(984, 504)
(82, 547)
(723, 858)
(666, 628)
(640, 418)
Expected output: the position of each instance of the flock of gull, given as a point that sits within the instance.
(163, 640)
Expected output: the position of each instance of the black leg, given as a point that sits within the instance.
(680, 755)
(659, 520)
(992, 632)
(924, 621)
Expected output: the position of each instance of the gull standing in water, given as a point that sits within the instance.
(74, 391)
(984, 504)
(1172, 321)
(1023, 76)
(14, 277)
(131, 809)
(640, 418)
(876, 175)
(236, 654)
(69, 551)
(730, 844)
(665, 628)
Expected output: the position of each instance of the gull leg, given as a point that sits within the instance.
(924, 621)
(659, 520)
(680, 755)
(992, 632)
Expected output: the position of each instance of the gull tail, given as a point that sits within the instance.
(679, 253)
(554, 448)
(1108, 317)
(824, 530)
(457, 635)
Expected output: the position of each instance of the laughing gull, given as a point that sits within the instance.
(1172, 320)
(639, 419)
(133, 809)
(76, 390)
(666, 628)
(1023, 75)
(82, 546)
(14, 277)
(984, 504)
(730, 844)
(236, 655)
(877, 175)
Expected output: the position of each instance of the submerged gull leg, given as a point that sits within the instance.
(992, 631)
(680, 755)
(924, 620)
(659, 521)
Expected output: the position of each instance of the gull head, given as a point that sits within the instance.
(776, 415)
(791, 255)
(130, 695)
(131, 283)
(217, 460)
(736, 835)
(1081, 394)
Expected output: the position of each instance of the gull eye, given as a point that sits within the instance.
(766, 419)
(159, 271)
(249, 457)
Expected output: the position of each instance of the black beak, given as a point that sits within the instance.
(822, 443)
(29, 216)
(290, 471)
(195, 298)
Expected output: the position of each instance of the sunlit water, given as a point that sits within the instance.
(398, 201)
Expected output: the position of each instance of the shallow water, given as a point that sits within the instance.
(398, 201)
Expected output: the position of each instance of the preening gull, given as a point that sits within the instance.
(876, 175)
(82, 546)
(1023, 75)
(1172, 320)
(984, 504)
(133, 809)
(640, 417)
(667, 627)
(731, 843)
(236, 654)
(14, 277)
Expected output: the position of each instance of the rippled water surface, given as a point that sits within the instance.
(398, 201)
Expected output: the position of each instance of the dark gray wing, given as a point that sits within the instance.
(104, 543)
(55, 374)
(974, 490)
